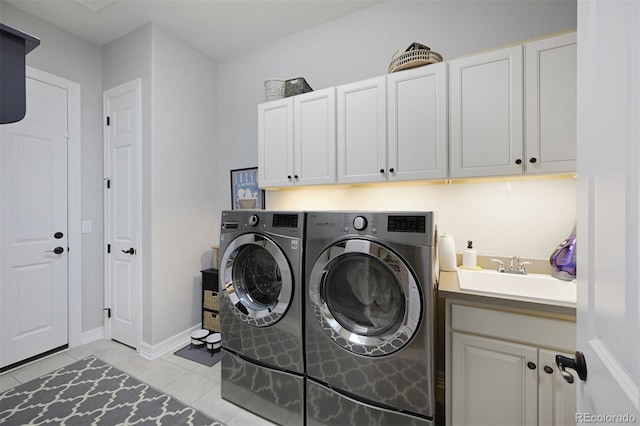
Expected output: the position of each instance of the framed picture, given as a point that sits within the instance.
(245, 193)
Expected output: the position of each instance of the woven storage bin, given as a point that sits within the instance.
(211, 321)
(210, 300)
(273, 89)
(413, 58)
(296, 86)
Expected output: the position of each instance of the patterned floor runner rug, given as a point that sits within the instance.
(91, 392)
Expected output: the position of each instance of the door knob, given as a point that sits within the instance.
(130, 251)
(578, 364)
(57, 250)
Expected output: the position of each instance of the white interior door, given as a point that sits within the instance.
(122, 205)
(609, 211)
(33, 232)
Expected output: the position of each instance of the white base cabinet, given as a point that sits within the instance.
(491, 383)
(501, 368)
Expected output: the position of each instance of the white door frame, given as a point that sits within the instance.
(74, 211)
(135, 84)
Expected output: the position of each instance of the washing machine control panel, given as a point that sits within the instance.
(253, 220)
(360, 223)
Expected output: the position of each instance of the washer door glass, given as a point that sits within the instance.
(365, 297)
(257, 279)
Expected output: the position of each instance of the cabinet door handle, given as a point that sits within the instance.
(548, 369)
(381, 170)
(288, 176)
(391, 170)
(518, 161)
(533, 160)
(531, 365)
(295, 176)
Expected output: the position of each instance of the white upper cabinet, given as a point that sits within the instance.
(417, 123)
(486, 110)
(361, 127)
(513, 112)
(504, 112)
(275, 143)
(550, 104)
(297, 140)
(314, 137)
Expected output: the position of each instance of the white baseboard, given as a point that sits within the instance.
(171, 344)
(92, 335)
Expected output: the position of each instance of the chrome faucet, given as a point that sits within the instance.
(500, 264)
(516, 266)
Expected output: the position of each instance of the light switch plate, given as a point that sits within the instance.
(87, 226)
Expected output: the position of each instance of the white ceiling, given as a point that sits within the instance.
(217, 28)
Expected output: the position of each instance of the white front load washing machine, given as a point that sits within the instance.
(369, 325)
(261, 300)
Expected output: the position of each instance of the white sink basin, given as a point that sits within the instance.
(530, 286)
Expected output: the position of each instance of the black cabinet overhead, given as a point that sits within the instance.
(14, 45)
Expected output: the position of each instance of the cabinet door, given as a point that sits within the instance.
(315, 137)
(417, 123)
(275, 143)
(550, 104)
(556, 398)
(491, 382)
(486, 114)
(361, 125)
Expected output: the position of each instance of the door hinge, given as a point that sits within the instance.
(108, 182)
(108, 121)
(108, 312)
(108, 248)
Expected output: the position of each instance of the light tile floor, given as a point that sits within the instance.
(190, 382)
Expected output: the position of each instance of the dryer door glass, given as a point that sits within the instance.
(365, 297)
(257, 281)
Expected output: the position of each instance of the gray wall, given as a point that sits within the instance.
(183, 152)
(349, 49)
(70, 57)
(126, 59)
(178, 171)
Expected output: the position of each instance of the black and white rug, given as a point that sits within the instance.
(91, 392)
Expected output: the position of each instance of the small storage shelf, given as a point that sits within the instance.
(210, 301)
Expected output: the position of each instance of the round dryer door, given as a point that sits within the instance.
(365, 297)
(258, 281)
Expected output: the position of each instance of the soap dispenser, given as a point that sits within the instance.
(469, 256)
